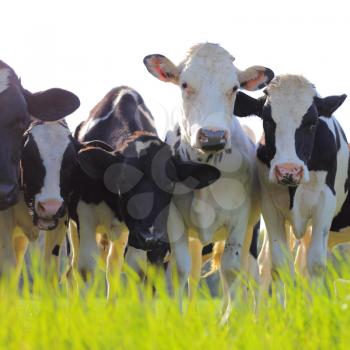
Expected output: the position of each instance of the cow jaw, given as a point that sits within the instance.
(46, 224)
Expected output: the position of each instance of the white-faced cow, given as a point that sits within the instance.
(17, 106)
(129, 181)
(303, 166)
(209, 133)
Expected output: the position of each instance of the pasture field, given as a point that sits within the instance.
(42, 316)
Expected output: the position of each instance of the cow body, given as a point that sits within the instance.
(228, 209)
(133, 196)
(303, 167)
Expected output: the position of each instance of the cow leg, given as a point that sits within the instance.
(20, 243)
(115, 257)
(53, 243)
(7, 251)
(281, 257)
(232, 262)
(115, 260)
(264, 262)
(321, 220)
(179, 249)
(88, 249)
(195, 247)
(136, 259)
(250, 266)
(300, 262)
(74, 258)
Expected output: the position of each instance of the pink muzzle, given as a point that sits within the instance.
(289, 174)
(49, 208)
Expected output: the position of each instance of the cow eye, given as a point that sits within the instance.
(184, 85)
(234, 89)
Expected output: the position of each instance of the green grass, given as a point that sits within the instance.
(42, 316)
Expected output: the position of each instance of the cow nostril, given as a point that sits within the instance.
(41, 207)
(202, 136)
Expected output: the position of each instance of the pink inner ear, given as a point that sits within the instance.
(156, 64)
(252, 84)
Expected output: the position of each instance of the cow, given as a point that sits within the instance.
(125, 182)
(303, 167)
(17, 106)
(49, 158)
(47, 161)
(208, 133)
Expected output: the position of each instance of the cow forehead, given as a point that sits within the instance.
(290, 97)
(51, 138)
(208, 63)
(4, 78)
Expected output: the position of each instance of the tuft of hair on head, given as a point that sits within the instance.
(289, 82)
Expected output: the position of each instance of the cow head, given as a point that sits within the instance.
(143, 175)
(209, 82)
(290, 111)
(48, 161)
(18, 107)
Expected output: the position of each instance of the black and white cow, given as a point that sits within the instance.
(129, 181)
(210, 134)
(17, 106)
(18, 109)
(303, 166)
(46, 163)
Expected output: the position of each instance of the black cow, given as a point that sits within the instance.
(139, 175)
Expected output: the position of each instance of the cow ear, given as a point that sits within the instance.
(162, 68)
(194, 175)
(246, 105)
(255, 77)
(52, 104)
(328, 105)
(95, 161)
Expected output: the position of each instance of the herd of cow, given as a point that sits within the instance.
(198, 194)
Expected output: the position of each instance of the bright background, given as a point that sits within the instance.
(89, 47)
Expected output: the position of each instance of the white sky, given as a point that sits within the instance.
(90, 47)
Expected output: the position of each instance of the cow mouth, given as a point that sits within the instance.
(45, 223)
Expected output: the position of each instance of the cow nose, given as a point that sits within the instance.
(48, 208)
(8, 196)
(211, 139)
(289, 174)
